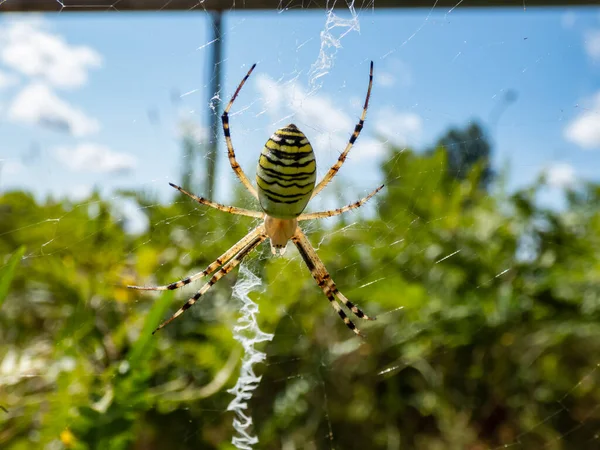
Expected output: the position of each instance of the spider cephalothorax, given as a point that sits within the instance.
(285, 177)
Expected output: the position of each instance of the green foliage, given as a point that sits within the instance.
(8, 272)
(487, 335)
(465, 149)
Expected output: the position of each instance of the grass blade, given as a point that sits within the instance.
(7, 273)
(154, 317)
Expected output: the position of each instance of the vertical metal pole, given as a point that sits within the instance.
(215, 117)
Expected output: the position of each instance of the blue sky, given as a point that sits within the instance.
(98, 100)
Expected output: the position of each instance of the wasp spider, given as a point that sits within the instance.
(285, 177)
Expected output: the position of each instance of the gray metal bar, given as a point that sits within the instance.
(215, 117)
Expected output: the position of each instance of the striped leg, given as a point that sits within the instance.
(323, 279)
(224, 208)
(211, 267)
(230, 152)
(216, 277)
(359, 126)
(336, 212)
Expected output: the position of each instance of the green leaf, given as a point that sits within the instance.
(8, 273)
(146, 340)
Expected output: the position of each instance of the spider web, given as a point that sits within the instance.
(98, 119)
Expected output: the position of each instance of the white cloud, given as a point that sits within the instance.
(7, 80)
(89, 157)
(333, 126)
(271, 92)
(320, 111)
(385, 79)
(29, 48)
(400, 71)
(135, 220)
(36, 104)
(316, 110)
(371, 148)
(560, 175)
(592, 45)
(398, 127)
(11, 167)
(79, 192)
(189, 128)
(584, 130)
(568, 20)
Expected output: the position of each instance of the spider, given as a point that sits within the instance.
(285, 177)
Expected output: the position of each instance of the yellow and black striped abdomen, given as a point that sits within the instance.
(286, 173)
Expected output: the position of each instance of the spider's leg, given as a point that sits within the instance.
(323, 279)
(327, 283)
(359, 126)
(335, 212)
(224, 208)
(216, 277)
(230, 152)
(211, 267)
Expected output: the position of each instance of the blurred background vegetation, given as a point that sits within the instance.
(488, 332)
